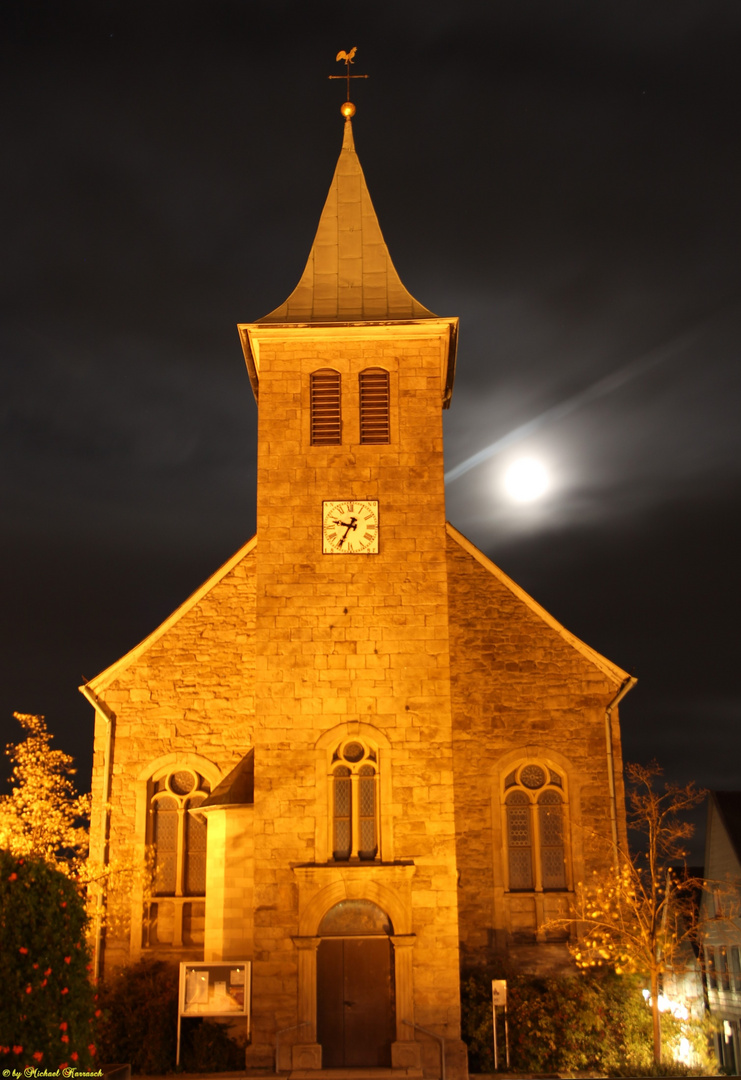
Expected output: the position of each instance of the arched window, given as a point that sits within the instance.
(375, 420)
(519, 841)
(178, 843)
(534, 811)
(325, 408)
(354, 801)
(552, 853)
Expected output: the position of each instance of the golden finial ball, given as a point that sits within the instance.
(347, 109)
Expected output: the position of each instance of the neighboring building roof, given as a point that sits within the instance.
(237, 788)
(349, 276)
(728, 804)
(612, 671)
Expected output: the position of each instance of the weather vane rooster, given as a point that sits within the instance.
(348, 109)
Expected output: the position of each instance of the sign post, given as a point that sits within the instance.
(499, 997)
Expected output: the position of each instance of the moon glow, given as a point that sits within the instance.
(526, 480)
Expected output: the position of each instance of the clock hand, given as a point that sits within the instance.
(348, 528)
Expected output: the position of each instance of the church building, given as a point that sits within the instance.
(360, 756)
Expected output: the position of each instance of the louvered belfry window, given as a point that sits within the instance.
(326, 414)
(374, 406)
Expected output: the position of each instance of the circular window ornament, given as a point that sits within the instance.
(353, 752)
(532, 776)
(182, 782)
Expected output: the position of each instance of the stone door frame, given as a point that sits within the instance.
(320, 889)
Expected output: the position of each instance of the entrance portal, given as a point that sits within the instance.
(355, 987)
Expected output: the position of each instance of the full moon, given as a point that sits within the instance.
(526, 480)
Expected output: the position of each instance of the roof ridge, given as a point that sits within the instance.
(601, 662)
(105, 678)
(729, 815)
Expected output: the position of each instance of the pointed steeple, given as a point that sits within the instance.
(349, 276)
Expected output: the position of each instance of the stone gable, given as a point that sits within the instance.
(521, 690)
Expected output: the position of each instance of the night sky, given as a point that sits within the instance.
(563, 176)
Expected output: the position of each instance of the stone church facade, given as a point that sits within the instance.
(359, 756)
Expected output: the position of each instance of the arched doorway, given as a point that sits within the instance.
(355, 986)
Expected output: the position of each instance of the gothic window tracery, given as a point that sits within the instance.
(535, 810)
(177, 841)
(354, 801)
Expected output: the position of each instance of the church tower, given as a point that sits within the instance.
(359, 757)
(353, 727)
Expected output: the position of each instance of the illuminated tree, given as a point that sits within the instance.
(47, 1004)
(643, 917)
(43, 816)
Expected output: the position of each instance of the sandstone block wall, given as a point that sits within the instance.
(519, 691)
(229, 921)
(189, 699)
(356, 639)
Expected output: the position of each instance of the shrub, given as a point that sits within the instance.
(207, 1047)
(139, 1025)
(47, 1001)
(140, 1015)
(597, 1022)
(665, 1068)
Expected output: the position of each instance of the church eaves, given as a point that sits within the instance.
(349, 276)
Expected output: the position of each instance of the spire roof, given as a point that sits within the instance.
(349, 276)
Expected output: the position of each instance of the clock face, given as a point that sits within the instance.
(350, 527)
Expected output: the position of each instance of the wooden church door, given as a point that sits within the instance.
(355, 987)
